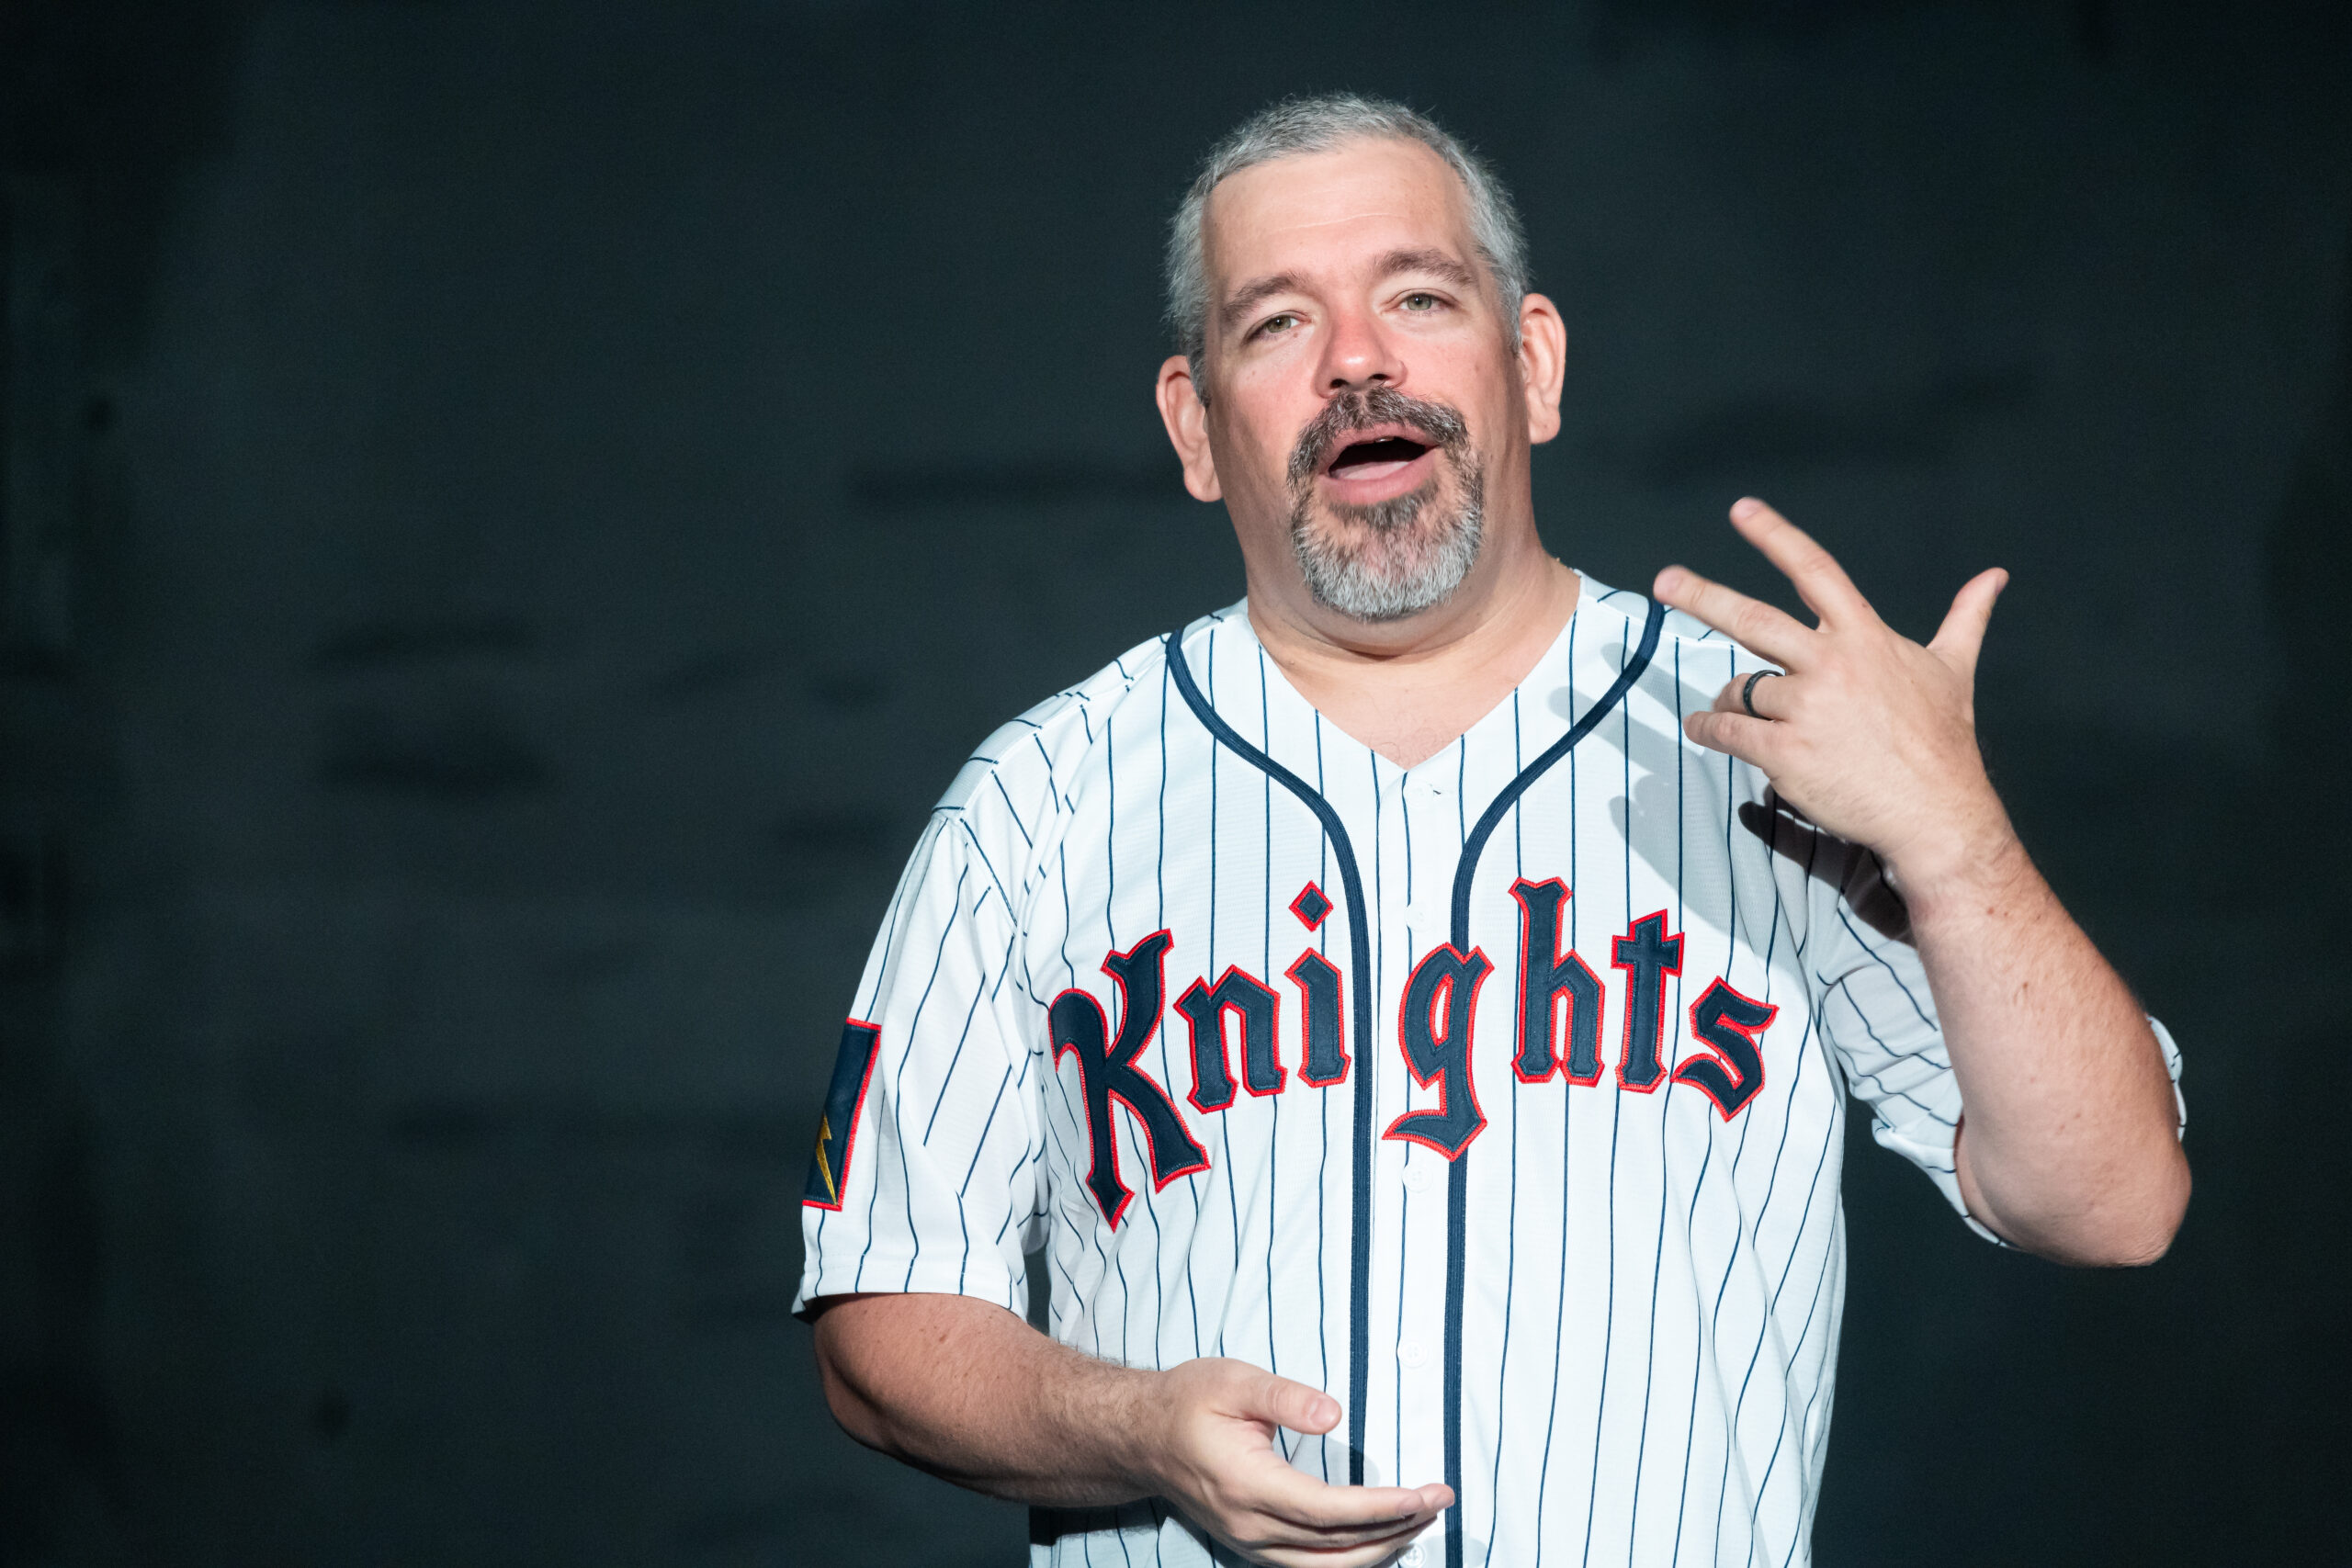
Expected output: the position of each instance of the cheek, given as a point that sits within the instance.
(1482, 380)
(1257, 440)
(1502, 423)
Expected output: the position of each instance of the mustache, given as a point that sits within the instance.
(1350, 412)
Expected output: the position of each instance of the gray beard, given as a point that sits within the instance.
(1398, 563)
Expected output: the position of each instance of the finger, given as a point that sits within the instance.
(1265, 1546)
(1753, 694)
(1323, 1510)
(1264, 1522)
(1961, 636)
(1259, 1532)
(1364, 1555)
(1751, 623)
(1820, 582)
(1260, 1547)
(1735, 734)
(1304, 1503)
(1266, 1397)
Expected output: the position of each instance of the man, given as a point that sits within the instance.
(1512, 940)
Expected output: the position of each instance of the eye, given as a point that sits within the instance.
(1281, 322)
(1420, 302)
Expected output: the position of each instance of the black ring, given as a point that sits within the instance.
(1748, 693)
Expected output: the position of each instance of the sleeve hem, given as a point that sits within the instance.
(2172, 1067)
(982, 1278)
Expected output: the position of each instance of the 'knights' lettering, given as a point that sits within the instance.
(1552, 982)
(1440, 1053)
(1107, 1071)
(1732, 1025)
(1647, 955)
(1317, 979)
(1244, 995)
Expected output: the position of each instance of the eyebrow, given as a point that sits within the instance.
(1436, 263)
(1253, 293)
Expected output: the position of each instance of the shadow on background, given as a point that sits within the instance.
(513, 510)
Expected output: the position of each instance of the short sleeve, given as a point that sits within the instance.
(1875, 1013)
(925, 1171)
(1873, 1010)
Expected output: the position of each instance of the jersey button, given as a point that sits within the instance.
(1408, 1351)
(1411, 1559)
(1417, 1178)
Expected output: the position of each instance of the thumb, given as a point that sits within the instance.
(1291, 1405)
(1962, 633)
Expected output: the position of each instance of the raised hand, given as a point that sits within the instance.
(1870, 735)
(1212, 1455)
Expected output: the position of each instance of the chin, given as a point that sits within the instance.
(1389, 561)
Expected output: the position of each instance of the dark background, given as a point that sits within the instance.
(513, 510)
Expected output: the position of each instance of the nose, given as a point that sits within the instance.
(1357, 355)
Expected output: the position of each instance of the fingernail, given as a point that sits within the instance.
(1745, 507)
(1670, 581)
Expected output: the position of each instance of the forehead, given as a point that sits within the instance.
(1319, 212)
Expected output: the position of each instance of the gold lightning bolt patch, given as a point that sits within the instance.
(824, 1163)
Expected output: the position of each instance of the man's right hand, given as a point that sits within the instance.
(1209, 1448)
(968, 1392)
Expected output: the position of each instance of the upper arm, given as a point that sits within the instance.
(1880, 1019)
(925, 1173)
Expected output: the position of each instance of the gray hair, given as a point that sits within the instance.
(1318, 125)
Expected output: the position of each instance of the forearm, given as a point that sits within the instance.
(2069, 1144)
(967, 1390)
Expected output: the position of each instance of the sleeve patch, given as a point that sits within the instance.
(837, 1128)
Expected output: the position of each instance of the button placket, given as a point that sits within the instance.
(1431, 909)
(1413, 900)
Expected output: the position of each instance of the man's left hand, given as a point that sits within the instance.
(1869, 734)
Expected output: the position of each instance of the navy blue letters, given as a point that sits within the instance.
(1647, 955)
(1107, 1070)
(1730, 1023)
(1204, 1008)
(1559, 1004)
(1438, 1052)
(1551, 982)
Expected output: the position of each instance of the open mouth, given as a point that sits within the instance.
(1376, 458)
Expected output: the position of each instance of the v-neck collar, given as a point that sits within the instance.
(1582, 661)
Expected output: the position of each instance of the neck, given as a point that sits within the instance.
(1408, 689)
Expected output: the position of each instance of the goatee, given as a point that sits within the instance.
(1398, 557)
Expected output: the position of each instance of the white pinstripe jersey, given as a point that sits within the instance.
(1501, 1097)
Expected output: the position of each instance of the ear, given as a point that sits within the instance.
(1187, 419)
(1543, 364)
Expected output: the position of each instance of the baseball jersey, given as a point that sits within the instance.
(1501, 1097)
